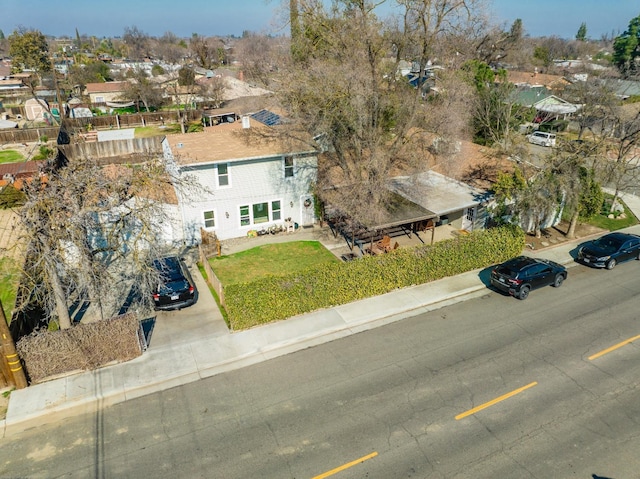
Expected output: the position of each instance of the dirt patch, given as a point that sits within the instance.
(556, 235)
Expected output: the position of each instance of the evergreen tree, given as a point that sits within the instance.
(626, 47)
(582, 32)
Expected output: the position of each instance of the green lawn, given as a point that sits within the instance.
(612, 224)
(155, 130)
(9, 279)
(10, 156)
(272, 259)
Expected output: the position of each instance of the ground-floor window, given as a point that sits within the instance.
(258, 213)
(276, 212)
(209, 219)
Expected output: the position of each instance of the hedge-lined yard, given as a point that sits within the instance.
(274, 298)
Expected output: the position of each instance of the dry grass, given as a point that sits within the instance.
(84, 347)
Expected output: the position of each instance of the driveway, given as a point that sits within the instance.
(203, 319)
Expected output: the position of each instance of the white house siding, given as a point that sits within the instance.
(251, 181)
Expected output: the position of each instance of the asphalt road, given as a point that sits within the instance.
(488, 388)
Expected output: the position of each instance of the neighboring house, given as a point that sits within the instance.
(105, 92)
(17, 173)
(548, 106)
(251, 183)
(623, 89)
(554, 83)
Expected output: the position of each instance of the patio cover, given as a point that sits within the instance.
(437, 193)
(555, 105)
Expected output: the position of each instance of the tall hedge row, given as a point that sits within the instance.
(274, 298)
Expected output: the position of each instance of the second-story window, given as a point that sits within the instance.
(223, 174)
(288, 166)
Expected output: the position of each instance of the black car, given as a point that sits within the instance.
(609, 250)
(520, 275)
(176, 288)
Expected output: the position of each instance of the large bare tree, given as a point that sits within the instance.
(345, 90)
(92, 232)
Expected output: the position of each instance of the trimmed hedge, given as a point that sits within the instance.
(274, 298)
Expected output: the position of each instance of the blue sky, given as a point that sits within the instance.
(226, 17)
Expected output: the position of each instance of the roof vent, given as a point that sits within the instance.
(179, 145)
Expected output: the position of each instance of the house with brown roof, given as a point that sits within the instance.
(252, 180)
(106, 91)
(555, 83)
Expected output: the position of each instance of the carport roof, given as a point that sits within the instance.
(401, 211)
(437, 193)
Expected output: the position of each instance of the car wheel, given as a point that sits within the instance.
(524, 292)
(558, 281)
(611, 264)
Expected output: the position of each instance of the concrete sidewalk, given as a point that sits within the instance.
(209, 349)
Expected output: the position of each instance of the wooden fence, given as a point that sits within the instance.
(212, 279)
(114, 149)
(106, 122)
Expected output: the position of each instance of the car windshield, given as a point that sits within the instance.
(607, 244)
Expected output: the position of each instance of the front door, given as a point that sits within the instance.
(468, 218)
(307, 210)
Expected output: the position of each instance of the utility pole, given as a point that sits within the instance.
(10, 353)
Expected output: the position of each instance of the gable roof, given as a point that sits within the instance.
(529, 96)
(106, 87)
(553, 82)
(230, 142)
(554, 104)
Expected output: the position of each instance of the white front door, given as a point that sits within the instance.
(468, 218)
(307, 215)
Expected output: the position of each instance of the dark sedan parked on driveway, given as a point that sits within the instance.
(520, 275)
(609, 250)
(176, 288)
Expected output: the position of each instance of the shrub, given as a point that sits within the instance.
(274, 298)
(11, 197)
(195, 127)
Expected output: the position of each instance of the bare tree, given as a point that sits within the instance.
(622, 169)
(92, 232)
(170, 48)
(346, 91)
(137, 42)
(260, 56)
(141, 89)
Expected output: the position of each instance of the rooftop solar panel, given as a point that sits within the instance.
(267, 117)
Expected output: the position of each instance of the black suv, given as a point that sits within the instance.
(520, 275)
(609, 250)
(176, 288)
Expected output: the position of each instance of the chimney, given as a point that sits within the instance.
(241, 75)
(246, 122)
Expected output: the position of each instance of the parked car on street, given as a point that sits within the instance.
(176, 288)
(520, 275)
(609, 250)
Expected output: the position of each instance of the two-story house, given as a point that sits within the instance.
(250, 182)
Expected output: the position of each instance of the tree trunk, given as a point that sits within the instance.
(616, 195)
(571, 232)
(61, 301)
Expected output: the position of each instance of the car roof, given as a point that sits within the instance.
(520, 262)
(620, 236)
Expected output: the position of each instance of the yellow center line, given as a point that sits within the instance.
(494, 401)
(346, 466)
(614, 347)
